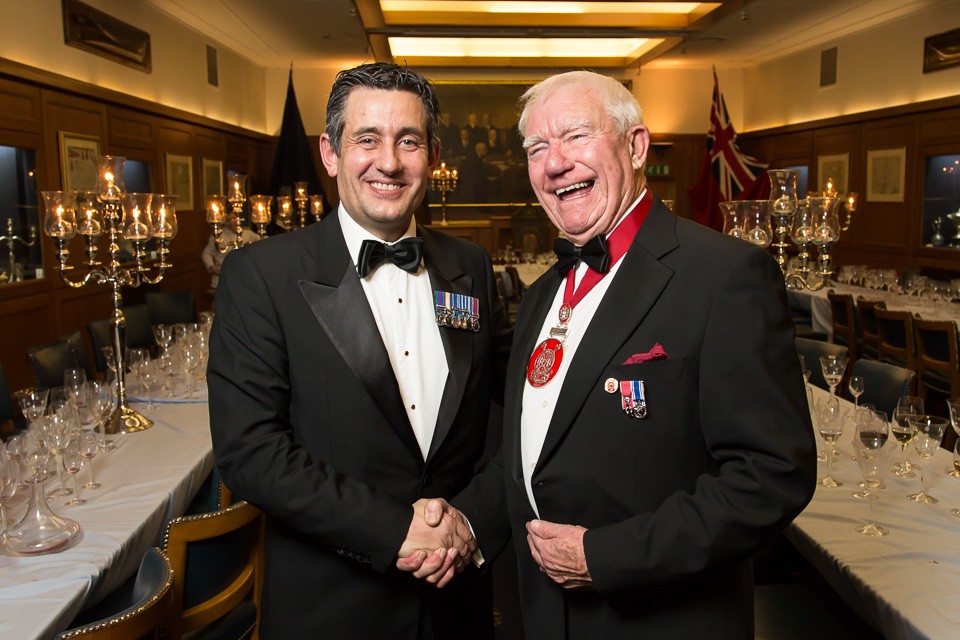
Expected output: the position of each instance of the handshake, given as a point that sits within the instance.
(439, 543)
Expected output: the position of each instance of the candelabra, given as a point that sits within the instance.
(849, 202)
(443, 181)
(12, 241)
(218, 218)
(131, 216)
(813, 220)
(302, 199)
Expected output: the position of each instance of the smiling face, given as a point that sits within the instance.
(584, 173)
(384, 163)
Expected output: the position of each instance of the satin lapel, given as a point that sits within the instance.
(340, 305)
(633, 292)
(447, 275)
(540, 298)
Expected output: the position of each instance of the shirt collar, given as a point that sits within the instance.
(354, 234)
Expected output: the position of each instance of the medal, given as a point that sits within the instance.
(545, 362)
(633, 400)
(457, 310)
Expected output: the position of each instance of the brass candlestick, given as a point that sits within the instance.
(443, 181)
(11, 239)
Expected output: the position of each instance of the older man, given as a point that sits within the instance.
(656, 428)
(351, 369)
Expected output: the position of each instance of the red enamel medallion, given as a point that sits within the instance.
(545, 362)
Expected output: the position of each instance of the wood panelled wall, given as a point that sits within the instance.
(883, 234)
(34, 107)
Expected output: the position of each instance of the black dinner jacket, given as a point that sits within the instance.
(308, 425)
(675, 504)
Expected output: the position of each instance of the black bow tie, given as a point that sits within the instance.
(406, 254)
(594, 253)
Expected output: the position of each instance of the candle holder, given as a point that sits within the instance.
(260, 215)
(443, 181)
(134, 217)
(11, 239)
(218, 217)
(316, 207)
(285, 212)
(302, 199)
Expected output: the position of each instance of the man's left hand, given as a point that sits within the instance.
(558, 549)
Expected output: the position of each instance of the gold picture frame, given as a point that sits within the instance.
(78, 156)
(886, 174)
(179, 179)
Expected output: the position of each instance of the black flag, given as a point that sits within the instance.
(294, 160)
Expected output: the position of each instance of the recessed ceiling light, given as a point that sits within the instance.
(518, 47)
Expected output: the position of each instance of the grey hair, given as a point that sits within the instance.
(618, 102)
(387, 77)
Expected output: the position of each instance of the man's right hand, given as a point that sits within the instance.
(438, 544)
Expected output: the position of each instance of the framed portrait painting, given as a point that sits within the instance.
(886, 173)
(179, 171)
(212, 177)
(833, 169)
(78, 161)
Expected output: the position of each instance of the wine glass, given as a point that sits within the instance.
(872, 433)
(9, 482)
(831, 428)
(163, 334)
(103, 401)
(953, 405)
(134, 359)
(75, 383)
(928, 432)
(33, 402)
(14, 454)
(110, 359)
(35, 453)
(151, 376)
(874, 464)
(827, 408)
(56, 434)
(88, 447)
(833, 366)
(856, 388)
(903, 432)
(190, 358)
(72, 463)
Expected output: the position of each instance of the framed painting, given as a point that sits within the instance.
(78, 161)
(833, 169)
(941, 51)
(212, 177)
(886, 174)
(179, 173)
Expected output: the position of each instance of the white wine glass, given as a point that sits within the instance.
(928, 433)
(856, 388)
(9, 483)
(89, 447)
(103, 400)
(72, 463)
(35, 453)
(874, 465)
(75, 383)
(831, 428)
(151, 377)
(57, 429)
(834, 366)
(872, 432)
(953, 405)
(14, 454)
(902, 430)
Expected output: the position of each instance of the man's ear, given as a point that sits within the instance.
(435, 155)
(639, 137)
(328, 155)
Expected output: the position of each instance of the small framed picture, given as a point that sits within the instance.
(78, 161)
(833, 169)
(886, 173)
(212, 177)
(180, 179)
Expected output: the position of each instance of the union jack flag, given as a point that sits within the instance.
(733, 170)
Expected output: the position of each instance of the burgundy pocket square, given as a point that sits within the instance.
(657, 353)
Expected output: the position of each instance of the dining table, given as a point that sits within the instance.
(821, 317)
(150, 477)
(906, 585)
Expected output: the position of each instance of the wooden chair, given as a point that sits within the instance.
(150, 603)
(937, 360)
(811, 350)
(869, 334)
(217, 562)
(83, 353)
(171, 307)
(883, 384)
(844, 323)
(49, 361)
(895, 329)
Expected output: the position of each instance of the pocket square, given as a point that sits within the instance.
(657, 353)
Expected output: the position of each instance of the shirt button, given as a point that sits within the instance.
(400, 300)
(533, 465)
(406, 353)
(544, 404)
(412, 407)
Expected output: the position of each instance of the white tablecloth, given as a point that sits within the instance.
(151, 477)
(906, 584)
(528, 271)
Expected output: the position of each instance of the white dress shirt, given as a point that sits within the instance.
(402, 305)
(539, 402)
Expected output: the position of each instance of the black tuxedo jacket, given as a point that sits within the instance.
(308, 425)
(678, 502)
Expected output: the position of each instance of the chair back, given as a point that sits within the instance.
(83, 354)
(149, 606)
(217, 564)
(139, 333)
(811, 350)
(844, 323)
(6, 402)
(869, 334)
(171, 307)
(937, 360)
(895, 329)
(515, 281)
(883, 384)
(49, 361)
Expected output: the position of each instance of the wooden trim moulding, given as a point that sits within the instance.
(47, 79)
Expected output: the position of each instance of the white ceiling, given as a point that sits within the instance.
(329, 33)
